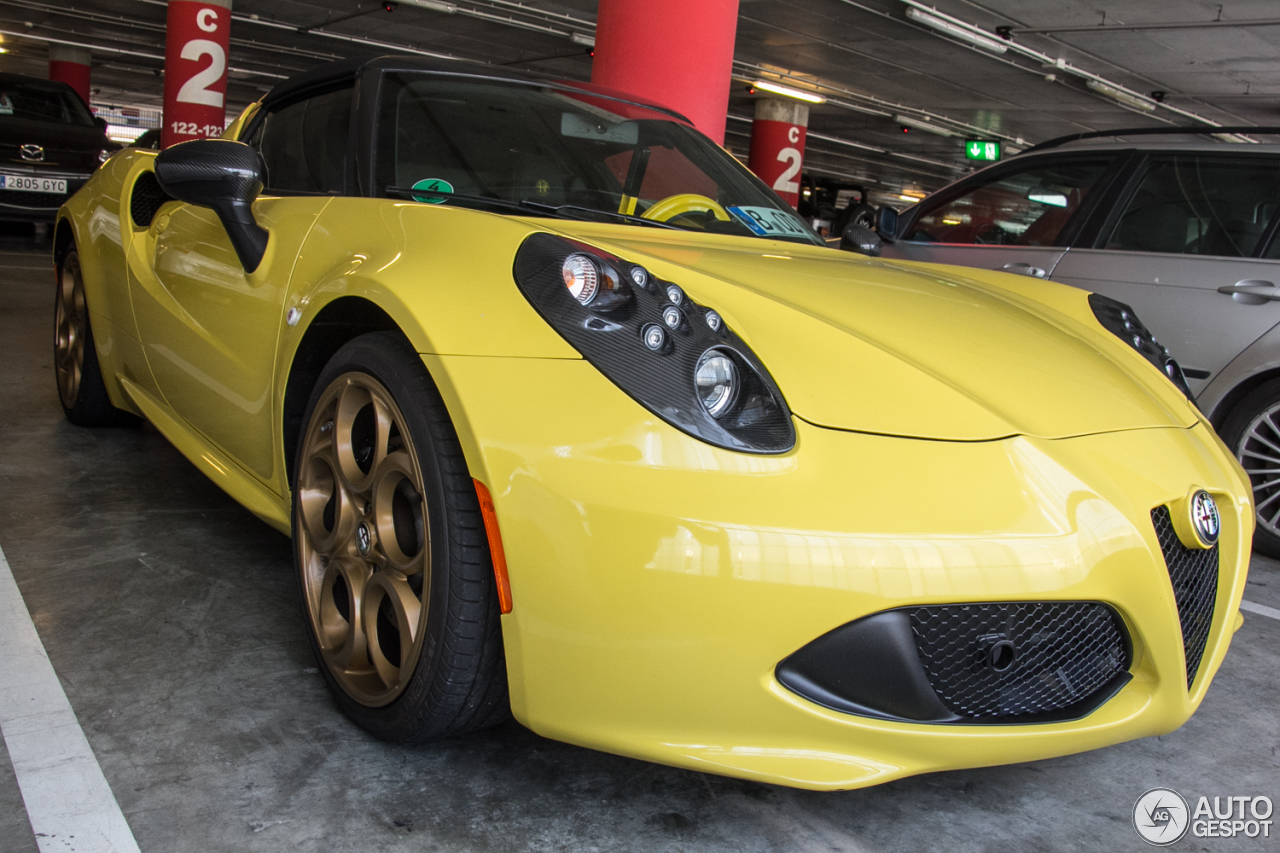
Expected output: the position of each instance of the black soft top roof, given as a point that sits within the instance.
(331, 73)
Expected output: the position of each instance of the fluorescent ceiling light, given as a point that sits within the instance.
(1230, 137)
(789, 92)
(923, 125)
(1117, 94)
(972, 36)
(433, 5)
(583, 39)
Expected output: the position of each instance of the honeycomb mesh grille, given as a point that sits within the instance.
(1066, 653)
(1194, 573)
(146, 199)
(23, 198)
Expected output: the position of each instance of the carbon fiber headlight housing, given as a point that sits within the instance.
(649, 338)
(1120, 320)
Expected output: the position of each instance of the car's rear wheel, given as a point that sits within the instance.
(390, 548)
(1252, 431)
(75, 358)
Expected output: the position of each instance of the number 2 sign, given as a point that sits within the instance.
(777, 152)
(195, 69)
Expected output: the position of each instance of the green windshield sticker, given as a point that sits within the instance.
(435, 185)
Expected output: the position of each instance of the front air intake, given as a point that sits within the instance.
(981, 663)
(1194, 574)
(1019, 660)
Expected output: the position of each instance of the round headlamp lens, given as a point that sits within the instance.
(713, 321)
(654, 337)
(640, 276)
(671, 316)
(675, 294)
(582, 277)
(716, 381)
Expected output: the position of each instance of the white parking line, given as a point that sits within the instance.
(68, 801)
(1260, 609)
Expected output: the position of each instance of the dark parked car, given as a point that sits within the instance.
(50, 144)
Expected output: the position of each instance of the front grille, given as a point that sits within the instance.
(1194, 573)
(22, 198)
(1065, 655)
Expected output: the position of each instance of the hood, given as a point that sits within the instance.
(67, 147)
(911, 350)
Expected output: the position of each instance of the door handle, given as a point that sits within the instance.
(1024, 269)
(1250, 291)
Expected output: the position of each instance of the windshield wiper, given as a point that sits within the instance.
(562, 211)
(565, 211)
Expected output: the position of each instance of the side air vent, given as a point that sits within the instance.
(146, 199)
(1194, 574)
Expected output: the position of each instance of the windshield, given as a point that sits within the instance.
(43, 102)
(575, 152)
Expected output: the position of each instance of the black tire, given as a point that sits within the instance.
(1238, 433)
(458, 682)
(77, 373)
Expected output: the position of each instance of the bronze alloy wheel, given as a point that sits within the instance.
(71, 323)
(363, 539)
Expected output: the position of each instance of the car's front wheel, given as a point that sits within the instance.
(389, 544)
(1252, 431)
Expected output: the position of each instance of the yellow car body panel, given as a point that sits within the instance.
(991, 443)
(655, 577)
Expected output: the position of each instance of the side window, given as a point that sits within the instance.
(304, 144)
(1023, 208)
(1199, 204)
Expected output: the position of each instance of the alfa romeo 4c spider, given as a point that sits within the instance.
(570, 418)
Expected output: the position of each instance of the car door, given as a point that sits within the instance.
(1185, 247)
(209, 329)
(1014, 218)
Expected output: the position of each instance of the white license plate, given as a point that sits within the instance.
(33, 184)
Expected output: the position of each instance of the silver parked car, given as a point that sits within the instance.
(1184, 233)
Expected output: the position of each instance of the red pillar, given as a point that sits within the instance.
(197, 34)
(777, 145)
(677, 53)
(70, 65)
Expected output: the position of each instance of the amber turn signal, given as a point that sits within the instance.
(495, 546)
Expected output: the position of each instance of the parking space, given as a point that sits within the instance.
(172, 618)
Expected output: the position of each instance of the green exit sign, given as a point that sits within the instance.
(977, 149)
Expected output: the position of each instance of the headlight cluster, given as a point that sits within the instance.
(676, 358)
(1120, 320)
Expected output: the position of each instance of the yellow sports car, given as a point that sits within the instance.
(570, 417)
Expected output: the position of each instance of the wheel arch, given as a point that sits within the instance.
(334, 325)
(1222, 410)
(338, 322)
(63, 236)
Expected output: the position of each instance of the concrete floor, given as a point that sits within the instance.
(171, 616)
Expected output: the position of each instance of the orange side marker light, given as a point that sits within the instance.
(495, 546)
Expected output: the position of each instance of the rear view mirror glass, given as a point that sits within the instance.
(624, 132)
(1049, 197)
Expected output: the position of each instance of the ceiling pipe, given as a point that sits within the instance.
(1057, 64)
(1171, 25)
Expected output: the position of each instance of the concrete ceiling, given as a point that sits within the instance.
(1218, 61)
